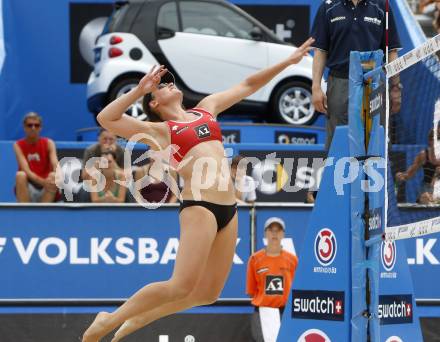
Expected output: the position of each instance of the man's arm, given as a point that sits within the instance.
(395, 86)
(417, 164)
(251, 282)
(318, 97)
(53, 158)
(321, 34)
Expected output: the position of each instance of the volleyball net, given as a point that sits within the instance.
(412, 177)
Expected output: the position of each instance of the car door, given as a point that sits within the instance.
(214, 49)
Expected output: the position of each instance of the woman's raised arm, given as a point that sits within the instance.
(112, 117)
(219, 102)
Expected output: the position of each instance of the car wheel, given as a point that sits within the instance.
(123, 87)
(292, 104)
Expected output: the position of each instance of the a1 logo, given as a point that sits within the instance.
(274, 285)
(203, 131)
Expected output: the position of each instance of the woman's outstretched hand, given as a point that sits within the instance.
(152, 79)
(301, 51)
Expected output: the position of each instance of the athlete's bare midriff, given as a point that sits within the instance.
(206, 174)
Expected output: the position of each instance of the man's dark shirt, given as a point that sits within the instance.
(341, 27)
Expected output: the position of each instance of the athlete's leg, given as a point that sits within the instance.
(21, 187)
(208, 288)
(197, 233)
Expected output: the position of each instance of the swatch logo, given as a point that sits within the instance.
(2, 244)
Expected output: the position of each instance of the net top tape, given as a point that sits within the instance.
(412, 57)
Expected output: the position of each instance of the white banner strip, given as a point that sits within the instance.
(411, 230)
(416, 55)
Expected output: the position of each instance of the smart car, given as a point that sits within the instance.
(208, 45)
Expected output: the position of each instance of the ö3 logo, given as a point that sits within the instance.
(325, 246)
(394, 339)
(388, 254)
(314, 335)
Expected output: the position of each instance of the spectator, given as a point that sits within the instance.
(436, 21)
(37, 163)
(270, 275)
(106, 141)
(108, 189)
(436, 186)
(156, 189)
(431, 7)
(244, 184)
(311, 197)
(426, 160)
(337, 31)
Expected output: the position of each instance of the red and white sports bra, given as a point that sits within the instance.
(186, 135)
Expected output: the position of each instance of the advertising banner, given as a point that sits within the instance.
(396, 311)
(284, 176)
(319, 307)
(104, 252)
(221, 325)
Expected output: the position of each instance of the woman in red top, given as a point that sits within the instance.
(208, 216)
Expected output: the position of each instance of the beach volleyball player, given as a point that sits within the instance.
(208, 216)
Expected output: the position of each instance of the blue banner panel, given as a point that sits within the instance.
(96, 252)
(319, 307)
(423, 257)
(397, 312)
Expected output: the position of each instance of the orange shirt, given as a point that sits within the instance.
(269, 278)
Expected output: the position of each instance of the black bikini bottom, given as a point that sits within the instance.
(222, 213)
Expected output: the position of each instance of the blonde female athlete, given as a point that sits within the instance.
(208, 217)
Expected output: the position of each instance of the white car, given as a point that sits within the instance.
(209, 45)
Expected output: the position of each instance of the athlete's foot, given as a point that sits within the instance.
(98, 329)
(125, 329)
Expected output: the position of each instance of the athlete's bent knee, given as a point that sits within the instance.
(208, 297)
(21, 176)
(181, 290)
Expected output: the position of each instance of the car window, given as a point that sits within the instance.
(115, 18)
(167, 17)
(213, 19)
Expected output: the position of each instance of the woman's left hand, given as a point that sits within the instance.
(301, 51)
(150, 81)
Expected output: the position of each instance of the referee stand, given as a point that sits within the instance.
(350, 284)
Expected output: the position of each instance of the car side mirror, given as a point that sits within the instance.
(165, 33)
(256, 33)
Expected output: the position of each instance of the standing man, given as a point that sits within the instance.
(342, 26)
(270, 275)
(37, 163)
